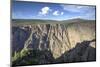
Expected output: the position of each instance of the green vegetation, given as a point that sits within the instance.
(19, 22)
(28, 57)
(20, 54)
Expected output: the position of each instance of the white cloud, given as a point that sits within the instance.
(74, 8)
(62, 13)
(56, 13)
(44, 11)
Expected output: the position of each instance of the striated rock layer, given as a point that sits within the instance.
(56, 38)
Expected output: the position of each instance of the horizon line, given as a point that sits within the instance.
(53, 19)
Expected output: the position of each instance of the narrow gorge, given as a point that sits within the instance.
(54, 42)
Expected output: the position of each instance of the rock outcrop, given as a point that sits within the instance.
(56, 38)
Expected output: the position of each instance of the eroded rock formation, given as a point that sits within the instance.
(56, 38)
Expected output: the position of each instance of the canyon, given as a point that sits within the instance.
(45, 43)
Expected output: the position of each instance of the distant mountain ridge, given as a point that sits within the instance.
(42, 21)
(74, 19)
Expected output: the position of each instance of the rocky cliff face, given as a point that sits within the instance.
(56, 38)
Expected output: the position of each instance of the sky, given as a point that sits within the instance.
(51, 11)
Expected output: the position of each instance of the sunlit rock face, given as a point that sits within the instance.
(57, 38)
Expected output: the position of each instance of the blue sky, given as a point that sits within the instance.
(51, 11)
